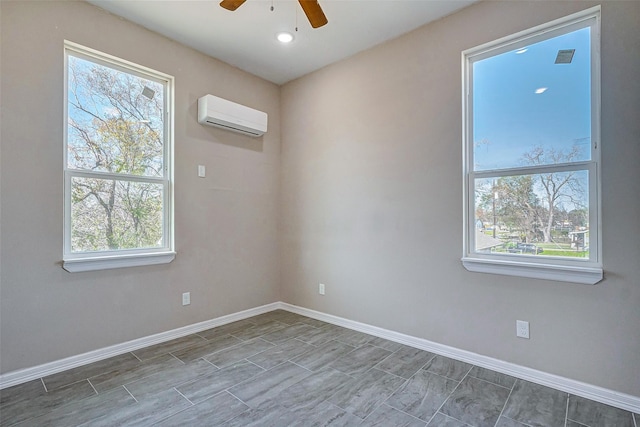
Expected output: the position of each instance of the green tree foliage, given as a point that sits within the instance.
(559, 188)
(115, 130)
(532, 205)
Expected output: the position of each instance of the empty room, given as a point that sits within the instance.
(320, 213)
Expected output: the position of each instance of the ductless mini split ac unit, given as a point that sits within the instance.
(219, 112)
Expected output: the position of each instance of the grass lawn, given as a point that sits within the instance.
(571, 253)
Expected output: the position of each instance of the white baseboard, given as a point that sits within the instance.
(23, 375)
(588, 391)
(598, 394)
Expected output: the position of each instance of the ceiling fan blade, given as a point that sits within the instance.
(314, 12)
(231, 4)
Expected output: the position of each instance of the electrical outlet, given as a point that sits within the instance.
(522, 329)
(321, 288)
(186, 298)
(202, 171)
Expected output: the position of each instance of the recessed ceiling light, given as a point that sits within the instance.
(521, 51)
(541, 90)
(284, 37)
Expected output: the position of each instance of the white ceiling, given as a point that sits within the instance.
(246, 38)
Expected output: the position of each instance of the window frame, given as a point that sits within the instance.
(552, 268)
(108, 259)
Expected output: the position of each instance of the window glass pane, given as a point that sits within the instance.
(111, 214)
(524, 103)
(543, 214)
(115, 121)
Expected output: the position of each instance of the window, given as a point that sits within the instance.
(117, 163)
(531, 153)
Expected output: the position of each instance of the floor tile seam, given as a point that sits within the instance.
(181, 361)
(453, 418)
(427, 362)
(504, 406)
(198, 334)
(238, 345)
(246, 379)
(395, 390)
(444, 376)
(155, 356)
(173, 414)
(492, 383)
(213, 337)
(378, 346)
(337, 389)
(259, 366)
(346, 410)
(85, 366)
(180, 383)
(228, 390)
(566, 411)
(200, 377)
(299, 355)
(61, 404)
(391, 353)
(22, 399)
(205, 355)
(390, 373)
(208, 398)
(263, 369)
(69, 384)
(577, 422)
(93, 387)
(210, 363)
(273, 367)
(412, 375)
(400, 410)
(301, 341)
(127, 390)
(185, 397)
(133, 380)
(363, 372)
(64, 403)
(394, 408)
(448, 397)
(13, 423)
(356, 375)
(306, 342)
(44, 385)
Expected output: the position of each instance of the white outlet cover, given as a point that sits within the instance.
(186, 298)
(202, 171)
(522, 329)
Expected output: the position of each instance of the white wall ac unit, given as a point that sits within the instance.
(215, 111)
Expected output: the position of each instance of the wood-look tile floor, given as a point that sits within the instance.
(283, 369)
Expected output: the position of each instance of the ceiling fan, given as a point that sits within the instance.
(311, 8)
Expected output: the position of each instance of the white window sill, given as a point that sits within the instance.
(120, 261)
(583, 275)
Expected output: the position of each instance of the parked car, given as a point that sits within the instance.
(528, 248)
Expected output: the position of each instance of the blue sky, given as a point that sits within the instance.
(80, 155)
(510, 119)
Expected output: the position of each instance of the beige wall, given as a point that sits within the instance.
(225, 224)
(372, 201)
(369, 199)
